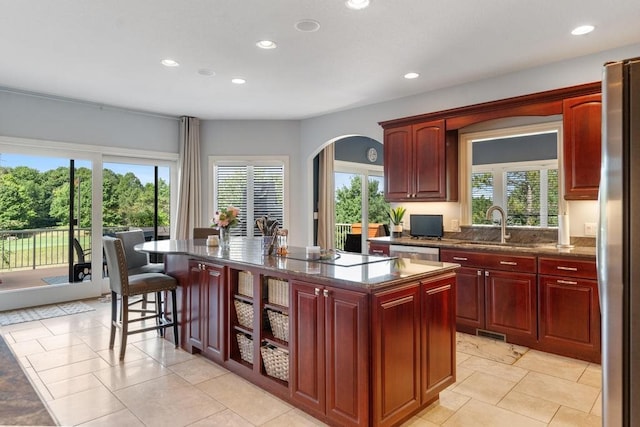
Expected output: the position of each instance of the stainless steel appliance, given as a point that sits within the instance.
(618, 244)
(415, 252)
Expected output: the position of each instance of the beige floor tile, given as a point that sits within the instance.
(112, 356)
(554, 365)
(18, 327)
(484, 387)
(418, 422)
(168, 401)
(84, 406)
(462, 374)
(480, 414)
(294, 418)
(37, 331)
(226, 418)
(461, 357)
(558, 390)
(73, 385)
(42, 389)
(568, 417)
(530, 406)
(72, 370)
(25, 348)
(452, 400)
(436, 413)
(597, 406)
(61, 357)
(123, 418)
(497, 369)
(68, 324)
(245, 399)
(163, 351)
(197, 370)
(59, 341)
(489, 349)
(97, 338)
(128, 374)
(592, 376)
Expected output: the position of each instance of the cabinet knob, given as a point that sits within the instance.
(486, 273)
(316, 291)
(479, 272)
(325, 293)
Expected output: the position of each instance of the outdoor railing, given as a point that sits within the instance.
(341, 234)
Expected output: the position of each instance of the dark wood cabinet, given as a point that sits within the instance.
(569, 311)
(470, 299)
(419, 163)
(438, 337)
(413, 336)
(378, 249)
(206, 299)
(582, 133)
(329, 349)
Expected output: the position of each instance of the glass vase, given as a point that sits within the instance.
(224, 237)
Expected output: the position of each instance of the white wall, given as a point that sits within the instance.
(317, 131)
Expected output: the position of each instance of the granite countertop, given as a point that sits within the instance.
(539, 248)
(348, 270)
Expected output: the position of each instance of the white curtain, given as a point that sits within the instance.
(189, 212)
(326, 202)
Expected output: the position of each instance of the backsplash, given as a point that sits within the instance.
(518, 235)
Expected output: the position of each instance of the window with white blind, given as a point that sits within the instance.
(255, 186)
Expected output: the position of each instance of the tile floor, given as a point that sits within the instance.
(83, 384)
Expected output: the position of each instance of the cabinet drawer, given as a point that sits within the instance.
(378, 249)
(493, 261)
(567, 267)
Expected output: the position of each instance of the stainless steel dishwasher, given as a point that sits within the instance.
(415, 252)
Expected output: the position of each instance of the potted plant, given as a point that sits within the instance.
(395, 215)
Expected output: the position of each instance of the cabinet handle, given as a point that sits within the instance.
(508, 263)
(377, 251)
(560, 267)
(566, 282)
(325, 293)
(214, 273)
(316, 292)
(486, 273)
(479, 272)
(460, 258)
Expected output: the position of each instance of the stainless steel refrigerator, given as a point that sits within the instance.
(618, 244)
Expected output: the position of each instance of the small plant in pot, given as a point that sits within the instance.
(395, 215)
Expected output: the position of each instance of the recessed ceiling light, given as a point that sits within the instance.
(169, 63)
(357, 4)
(582, 29)
(266, 44)
(238, 81)
(307, 25)
(206, 72)
(411, 76)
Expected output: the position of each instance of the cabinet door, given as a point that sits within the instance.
(213, 325)
(396, 354)
(569, 319)
(429, 160)
(347, 357)
(438, 337)
(195, 307)
(307, 363)
(398, 153)
(582, 129)
(511, 305)
(470, 299)
(378, 249)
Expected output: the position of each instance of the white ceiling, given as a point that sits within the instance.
(109, 51)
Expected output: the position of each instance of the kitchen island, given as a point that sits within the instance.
(351, 339)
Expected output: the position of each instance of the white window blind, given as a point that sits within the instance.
(256, 189)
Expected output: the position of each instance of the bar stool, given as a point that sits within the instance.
(126, 286)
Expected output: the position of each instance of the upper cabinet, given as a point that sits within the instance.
(582, 120)
(420, 163)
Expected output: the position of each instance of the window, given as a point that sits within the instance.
(517, 169)
(256, 187)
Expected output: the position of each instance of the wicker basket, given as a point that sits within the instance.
(276, 362)
(279, 325)
(245, 344)
(278, 292)
(245, 283)
(244, 312)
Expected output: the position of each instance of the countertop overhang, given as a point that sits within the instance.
(355, 271)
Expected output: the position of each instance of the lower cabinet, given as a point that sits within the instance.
(413, 336)
(329, 347)
(206, 300)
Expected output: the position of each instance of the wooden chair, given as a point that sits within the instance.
(204, 232)
(126, 286)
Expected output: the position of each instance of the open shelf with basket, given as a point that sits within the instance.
(242, 315)
(274, 348)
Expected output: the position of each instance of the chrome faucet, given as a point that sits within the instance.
(503, 222)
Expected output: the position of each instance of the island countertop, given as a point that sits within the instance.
(349, 270)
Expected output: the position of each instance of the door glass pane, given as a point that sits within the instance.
(348, 193)
(378, 207)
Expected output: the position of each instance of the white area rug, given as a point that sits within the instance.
(42, 312)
